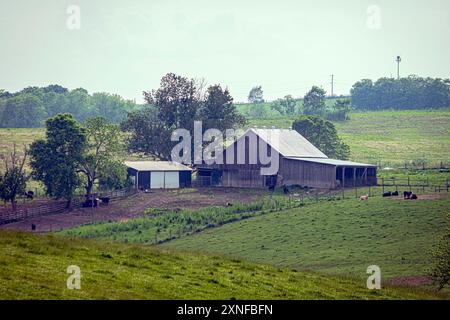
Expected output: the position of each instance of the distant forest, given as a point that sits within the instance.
(405, 93)
(31, 106)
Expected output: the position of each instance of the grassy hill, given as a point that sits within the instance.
(336, 237)
(34, 267)
(390, 137)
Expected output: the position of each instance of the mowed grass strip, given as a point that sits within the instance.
(34, 267)
(336, 237)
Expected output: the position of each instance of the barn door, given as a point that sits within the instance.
(157, 180)
(172, 179)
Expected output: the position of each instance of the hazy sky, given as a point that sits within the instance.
(125, 47)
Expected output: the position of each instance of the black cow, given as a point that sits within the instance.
(387, 194)
(407, 194)
(395, 193)
(29, 194)
(413, 197)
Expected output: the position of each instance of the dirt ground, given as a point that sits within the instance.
(134, 206)
(435, 196)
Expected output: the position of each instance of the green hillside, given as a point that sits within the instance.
(34, 267)
(336, 237)
(390, 137)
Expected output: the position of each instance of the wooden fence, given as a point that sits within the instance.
(54, 206)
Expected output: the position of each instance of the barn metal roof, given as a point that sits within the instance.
(156, 166)
(288, 143)
(334, 162)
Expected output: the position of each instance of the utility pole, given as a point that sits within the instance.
(332, 85)
(398, 66)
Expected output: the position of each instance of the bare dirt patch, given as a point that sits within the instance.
(135, 205)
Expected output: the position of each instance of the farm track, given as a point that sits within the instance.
(135, 205)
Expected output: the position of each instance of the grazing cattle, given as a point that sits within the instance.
(364, 197)
(29, 194)
(395, 193)
(413, 196)
(387, 194)
(89, 203)
(229, 204)
(104, 200)
(407, 194)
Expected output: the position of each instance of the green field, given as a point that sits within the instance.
(390, 138)
(34, 267)
(336, 237)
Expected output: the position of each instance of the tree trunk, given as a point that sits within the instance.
(14, 204)
(89, 191)
(69, 203)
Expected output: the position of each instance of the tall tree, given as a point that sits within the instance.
(323, 135)
(217, 110)
(176, 105)
(256, 95)
(104, 151)
(13, 181)
(314, 102)
(285, 106)
(147, 134)
(175, 100)
(56, 159)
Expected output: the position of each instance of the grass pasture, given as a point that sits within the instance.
(390, 138)
(335, 237)
(34, 267)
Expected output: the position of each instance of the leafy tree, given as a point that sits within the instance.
(147, 134)
(23, 111)
(341, 110)
(56, 159)
(13, 181)
(440, 272)
(323, 135)
(114, 176)
(102, 155)
(256, 95)
(175, 100)
(285, 106)
(218, 111)
(314, 101)
(405, 93)
(32, 105)
(177, 104)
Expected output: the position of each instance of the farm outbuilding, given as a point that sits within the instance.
(158, 174)
(299, 163)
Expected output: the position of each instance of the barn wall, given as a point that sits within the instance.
(305, 173)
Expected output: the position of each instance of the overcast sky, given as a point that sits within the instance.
(125, 47)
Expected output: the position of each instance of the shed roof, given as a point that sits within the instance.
(156, 166)
(288, 142)
(334, 162)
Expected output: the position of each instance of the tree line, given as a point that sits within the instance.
(412, 92)
(30, 107)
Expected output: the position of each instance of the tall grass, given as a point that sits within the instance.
(161, 225)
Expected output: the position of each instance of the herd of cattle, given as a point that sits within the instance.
(406, 195)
